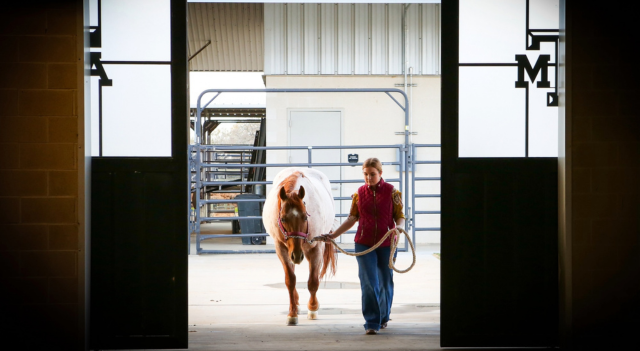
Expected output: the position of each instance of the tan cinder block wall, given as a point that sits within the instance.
(39, 210)
(604, 149)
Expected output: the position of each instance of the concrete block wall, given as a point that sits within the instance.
(603, 149)
(40, 252)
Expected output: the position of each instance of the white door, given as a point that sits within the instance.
(317, 128)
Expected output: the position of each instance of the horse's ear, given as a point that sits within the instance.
(283, 194)
(301, 192)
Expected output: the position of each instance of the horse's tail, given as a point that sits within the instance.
(329, 259)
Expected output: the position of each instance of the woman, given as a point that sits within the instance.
(377, 207)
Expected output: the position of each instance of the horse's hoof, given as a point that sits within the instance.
(312, 315)
(292, 320)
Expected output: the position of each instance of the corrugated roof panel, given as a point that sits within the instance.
(196, 36)
(345, 38)
(240, 34)
(222, 43)
(328, 52)
(362, 16)
(236, 34)
(294, 38)
(257, 35)
(311, 42)
(379, 53)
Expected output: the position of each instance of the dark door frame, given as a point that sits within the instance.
(124, 196)
(495, 213)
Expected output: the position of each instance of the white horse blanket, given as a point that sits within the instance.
(318, 200)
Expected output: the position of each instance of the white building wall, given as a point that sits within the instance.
(367, 118)
(350, 38)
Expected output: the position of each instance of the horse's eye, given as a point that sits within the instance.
(304, 218)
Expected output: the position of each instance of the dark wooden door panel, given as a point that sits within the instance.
(139, 212)
(499, 285)
(139, 289)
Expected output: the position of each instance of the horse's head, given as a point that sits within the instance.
(293, 215)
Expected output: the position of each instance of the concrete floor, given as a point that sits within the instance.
(240, 302)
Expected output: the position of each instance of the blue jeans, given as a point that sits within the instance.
(376, 282)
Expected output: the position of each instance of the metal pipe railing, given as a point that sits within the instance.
(199, 166)
(415, 162)
(202, 202)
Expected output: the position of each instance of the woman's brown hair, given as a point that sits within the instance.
(373, 162)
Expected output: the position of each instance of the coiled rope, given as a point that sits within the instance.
(394, 247)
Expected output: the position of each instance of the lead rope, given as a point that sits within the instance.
(394, 247)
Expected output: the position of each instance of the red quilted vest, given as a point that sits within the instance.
(375, 205)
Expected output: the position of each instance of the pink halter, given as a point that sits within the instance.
(298, 235)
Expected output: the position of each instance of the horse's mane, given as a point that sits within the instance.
(289, 185)
(290, 182)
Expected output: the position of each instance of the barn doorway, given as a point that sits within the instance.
(259, 298)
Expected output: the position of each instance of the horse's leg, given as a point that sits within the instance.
(314, 256)
(290, 282)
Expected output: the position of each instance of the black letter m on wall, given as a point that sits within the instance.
(541, 65)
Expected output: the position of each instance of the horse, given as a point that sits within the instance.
(298, 208)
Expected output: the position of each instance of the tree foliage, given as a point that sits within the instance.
(234, 133)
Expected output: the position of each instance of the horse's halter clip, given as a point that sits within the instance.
(295, 235)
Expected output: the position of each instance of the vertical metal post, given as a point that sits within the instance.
(242, 187)
(191, 227)
(403, 185)
(401, 168)
(198, 170)
(406, 154)
(309, 156)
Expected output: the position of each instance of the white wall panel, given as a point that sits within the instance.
(362, 38)
(430, 61)
(346, 42)
(328, 39)
(274, 39)
(294, 33)
(311, 38)
(379, 53)
(350, 39)
(413, 37)
(395, 38)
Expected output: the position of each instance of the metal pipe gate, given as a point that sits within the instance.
(197, 165)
